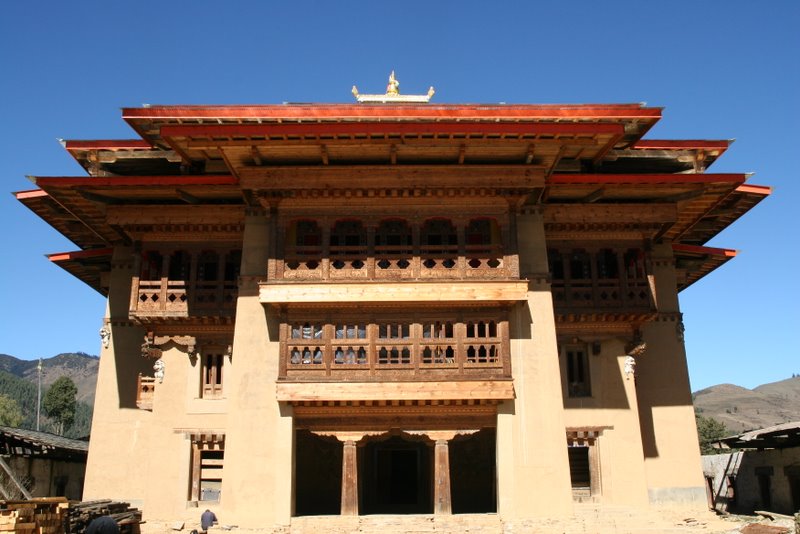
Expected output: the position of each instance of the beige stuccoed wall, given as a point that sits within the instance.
(669, 435)
(120, 440)
(611, 405)
(532, 465)
(135, 455)
(257, 484)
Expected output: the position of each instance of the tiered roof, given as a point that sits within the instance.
(559, 156)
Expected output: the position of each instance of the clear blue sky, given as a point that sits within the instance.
(722, 69)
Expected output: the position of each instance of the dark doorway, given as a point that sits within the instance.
(765, 491)
(579, 472)
(396, 477)
(472, 473)
(318, 474)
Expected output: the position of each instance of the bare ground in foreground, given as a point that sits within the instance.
(588, 519)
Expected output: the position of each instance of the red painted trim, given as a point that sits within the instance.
(66, 256)
(354, 128)
(309, 111)
(113, 144)
(696, 249)
(756, 189)
(571, 179)
(110, 181)
(655, 144)
(31, 193)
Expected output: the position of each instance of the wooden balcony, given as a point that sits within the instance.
(478, 262)
(602, 295)
(145, 392)
(151, 299)
(398, 351)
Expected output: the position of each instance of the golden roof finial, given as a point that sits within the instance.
(393, 88)
(393, 95)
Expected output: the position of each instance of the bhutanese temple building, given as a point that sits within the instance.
(392, 306)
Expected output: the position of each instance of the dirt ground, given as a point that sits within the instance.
(588, 519)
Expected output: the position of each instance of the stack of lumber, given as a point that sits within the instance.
(34, 516)
(81, 514)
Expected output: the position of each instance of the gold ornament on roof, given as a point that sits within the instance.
(393, 94)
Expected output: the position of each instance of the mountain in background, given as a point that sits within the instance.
(19, 380)
(81, 368)
(742, 409)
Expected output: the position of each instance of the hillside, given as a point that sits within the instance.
(18, 380)
(79, 367)
(742, 409)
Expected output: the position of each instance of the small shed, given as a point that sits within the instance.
(40, 464)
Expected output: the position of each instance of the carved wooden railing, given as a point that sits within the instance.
(178, 298)
(602, 294)
(145, 392)
(393, 263)
(378, 352)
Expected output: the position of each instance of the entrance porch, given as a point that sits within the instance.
(411, 462)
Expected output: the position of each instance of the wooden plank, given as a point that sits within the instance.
(354, 391)
(611, 213)
(123, 215)
(396, 177)
(445, 291)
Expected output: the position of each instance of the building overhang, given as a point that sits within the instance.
(693, 262)
(389, 293)
(471, 390)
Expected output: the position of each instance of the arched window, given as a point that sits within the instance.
(207, 266)
(233, 262)
(348, 237)
(439, 233)
(180, 263)
(607, 264)
(305, 237)
(580, 267)
(152, 261)
(393, 237)
(555, 261)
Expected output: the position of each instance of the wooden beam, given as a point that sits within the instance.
(129, 215)
(170, 132)
(256, 155)
(594, 196)
(397, 176)
(186, 197)
(686, 195)
(13, 477)
(641, 213)
(357, 391)
(363, 292)
(94, 197)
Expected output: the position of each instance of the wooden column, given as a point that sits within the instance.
(441, 473)
(195, 490)
(349, 479)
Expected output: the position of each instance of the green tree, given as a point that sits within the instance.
(10, 414)
(709, 431)
(59, 403)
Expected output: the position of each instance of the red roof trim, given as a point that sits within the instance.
(31, 193)
(755, 189)
(696, 249)
(112, 144)
(109, 181)
(655, 144)
(352, 128)
(566, 179)
(592, 111)
(66, 256)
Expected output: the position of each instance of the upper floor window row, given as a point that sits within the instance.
(186, 265)
(390, 236)
(394, 248)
